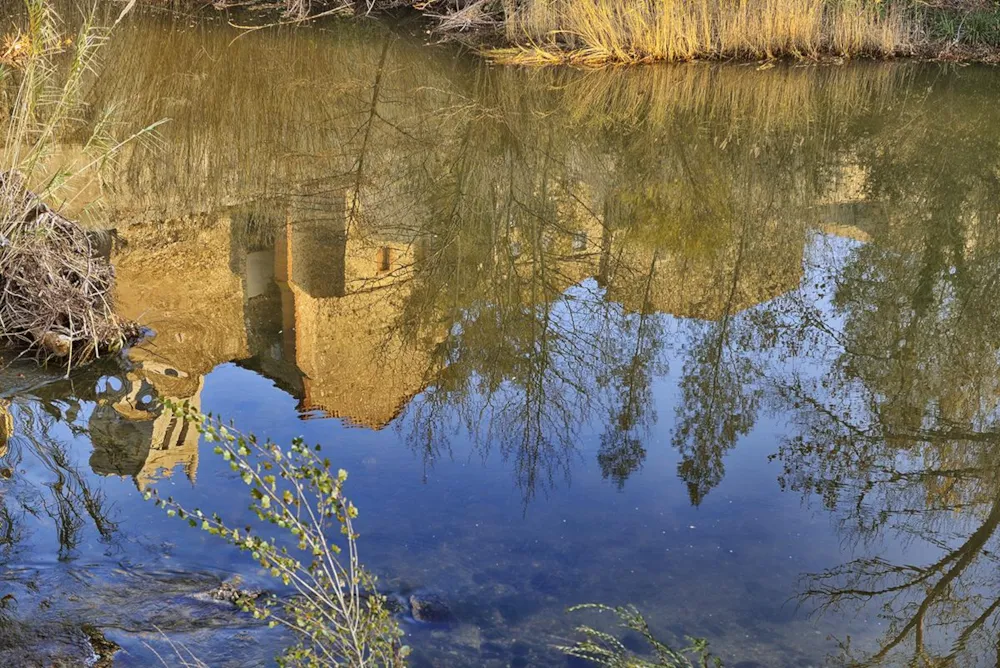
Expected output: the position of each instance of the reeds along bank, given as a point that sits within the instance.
(601, 31)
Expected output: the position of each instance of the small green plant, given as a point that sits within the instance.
(973, 27)
(338, 617)
(604, 649)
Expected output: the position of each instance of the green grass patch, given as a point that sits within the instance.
(971, 27)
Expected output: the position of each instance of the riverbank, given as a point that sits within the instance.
(600, 32)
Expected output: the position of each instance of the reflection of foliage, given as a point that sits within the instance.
(719, 401)
(897, 430)
(716, 410)
(67, 498)
(936, 484)
(529, 353)
(622, 457)
(604, 649)
(629, 385)
(517, 382)
(10, 533)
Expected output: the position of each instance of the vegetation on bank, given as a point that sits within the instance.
(604, 649)
(597, 32)
(56, 284)
(600, 31)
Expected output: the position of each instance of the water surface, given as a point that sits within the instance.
(717, 341)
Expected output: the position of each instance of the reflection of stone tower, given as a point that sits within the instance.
(133, 436)
(6, 426)
(294, 299)
(175, 277)
(356, 361)
(174, 443)
(260, 257)
(315, 302)
(316, 237)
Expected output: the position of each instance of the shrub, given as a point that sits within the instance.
(337, 615)
(604, 649)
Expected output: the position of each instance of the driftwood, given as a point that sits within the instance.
(56, 284)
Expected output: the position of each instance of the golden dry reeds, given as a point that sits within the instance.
(597, 32)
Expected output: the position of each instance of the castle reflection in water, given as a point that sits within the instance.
(302, 296)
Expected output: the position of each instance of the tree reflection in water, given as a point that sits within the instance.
(899, 436)
(42, 481)
(510, 257)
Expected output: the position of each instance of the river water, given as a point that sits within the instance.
(718, 341)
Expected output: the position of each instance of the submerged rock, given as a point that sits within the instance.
(429, 607)
(395, 604)
(230, 591)
(104, 649)
(52, 644)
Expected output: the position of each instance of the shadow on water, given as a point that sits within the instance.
(575, 334)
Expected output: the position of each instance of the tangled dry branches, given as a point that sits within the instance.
(56, 287)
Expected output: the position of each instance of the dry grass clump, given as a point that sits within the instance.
(15, 49)
(56, 287)
(592, 32)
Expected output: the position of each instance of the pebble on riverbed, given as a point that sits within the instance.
(429, 607)
(230, 592)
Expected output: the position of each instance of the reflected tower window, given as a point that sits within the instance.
(384, 259)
